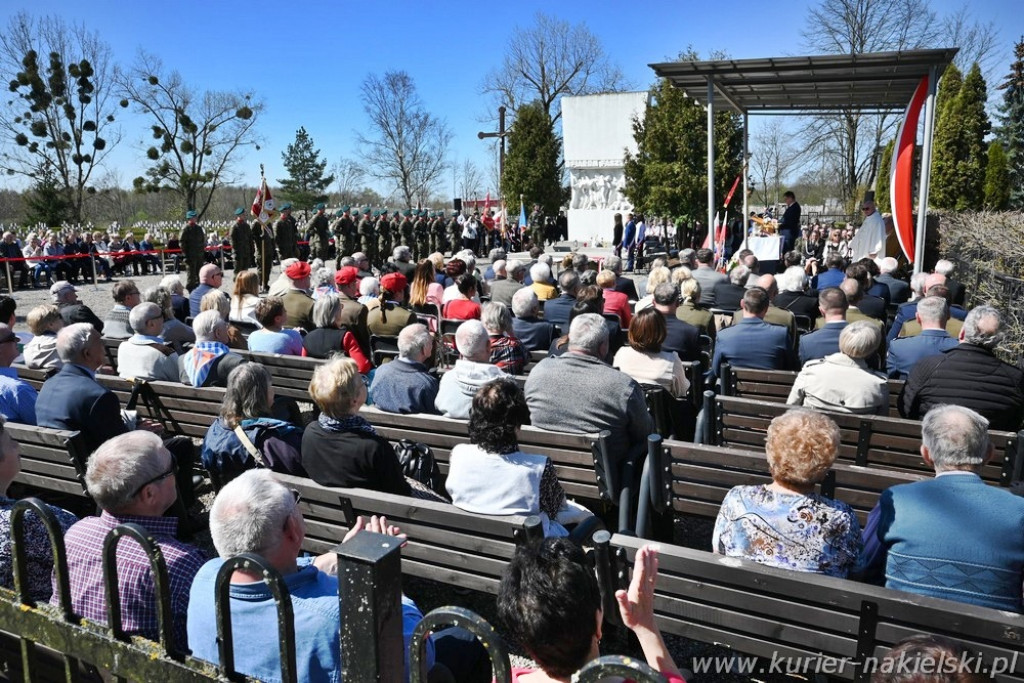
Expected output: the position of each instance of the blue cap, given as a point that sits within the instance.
(239, 212)
(345, 209)
(320, 206)
(191, 213)
(286, 206)
(339, 213)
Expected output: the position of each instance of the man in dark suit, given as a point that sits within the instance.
(792, 297)
(932, 314)
(534, 333)
(622, 284)
(899, 291)
(629, 240)
(509, 280)
(869, 304)
(682, 337)
(729, 293)
(957, 292)
(556, 311)
(825, 341)
(753, 343)
(789, 224)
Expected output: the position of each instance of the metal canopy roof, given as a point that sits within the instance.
(877, 81)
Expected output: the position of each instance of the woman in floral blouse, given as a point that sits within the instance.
(786, 524)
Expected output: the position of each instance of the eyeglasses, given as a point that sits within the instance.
(173, 470)
(865, 208)
(298, 497)
(217, 275)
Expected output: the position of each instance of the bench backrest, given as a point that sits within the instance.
(52, 460)
(775, 385)
(779, 614)
(865, 439)
(184, 410)
(290, 375)
(700, 476)
(572, 454)
(445, 544)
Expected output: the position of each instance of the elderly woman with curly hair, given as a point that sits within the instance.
(490, 475)
(786, 524)
(341, 448)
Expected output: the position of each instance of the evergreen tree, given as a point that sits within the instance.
(47, 200)
(997, 178)
(958, 170)
(1011, 126)
(306, 184)
(668, 174)
(532, 168)
(882, 198)
(942, 194)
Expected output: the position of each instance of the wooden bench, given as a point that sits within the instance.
(691, 479)
(184, 410)
(52, 465)
(823, 621)
(775, 385)
(290, 375)
(573, 455)
(888, 442)
(446, 544)
(110, 348)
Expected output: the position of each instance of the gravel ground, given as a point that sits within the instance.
(428, 594)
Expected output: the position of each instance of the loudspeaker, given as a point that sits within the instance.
(457, 204)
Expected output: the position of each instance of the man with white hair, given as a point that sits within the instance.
(132, 479)
(471, 371)
(503, 288)
(969, 375)
(540, 274)
(899, 291)
(401, 257)
(957, 292)
(405, 385)
(792, 297)
(144, 355)
(534, 333)
(254, 513)
(953, 536)
(904, 353)
(211, 277)
(578, 392)
(210, 361)
(65, 297)
(729, 293)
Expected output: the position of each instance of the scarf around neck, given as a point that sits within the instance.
(199, 360)
(355, 423)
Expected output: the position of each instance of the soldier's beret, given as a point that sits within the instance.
(366, 209)
(297, 270)
(346, 275)
(287, 206)
(340, 212)
(191, 213)
(376, 213)
(320, 206)
(345, 208)
(239, 212)
(393, 282)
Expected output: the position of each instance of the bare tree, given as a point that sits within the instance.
(196, 135)
(771, 159)
(976, 40)
(409, 145)
(350, 176)
(854, 27)
(59, 122)
(549, 59)
(471, 179)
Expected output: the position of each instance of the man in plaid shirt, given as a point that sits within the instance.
(131, 478)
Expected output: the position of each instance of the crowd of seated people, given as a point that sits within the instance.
(590, 381)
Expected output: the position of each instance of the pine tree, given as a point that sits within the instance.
(47, 200)
(958, 169)
(306, 184)
(943, 191)
(1011, 126)
(668, 174)
(976, 125)
(532, 166)
(882, 198)
(997, 178)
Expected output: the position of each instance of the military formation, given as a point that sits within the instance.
(375, 232)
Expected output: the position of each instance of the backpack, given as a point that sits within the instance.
(417, 462)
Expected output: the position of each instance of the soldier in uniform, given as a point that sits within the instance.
(367, 241)
(536, 227)
(383, 230)
(319, 233)
(193, 242)
(241, 242)
(406, 229)
(265, 247)
(341, 228)
(286, 234)
(454, 232)
(422, 237)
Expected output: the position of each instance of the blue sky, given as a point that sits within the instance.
(308, 59)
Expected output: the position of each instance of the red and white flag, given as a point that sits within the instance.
(263, 204)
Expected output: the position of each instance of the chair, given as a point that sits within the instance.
(383, 348)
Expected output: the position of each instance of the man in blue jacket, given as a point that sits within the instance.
(753, 343)
(629, 241)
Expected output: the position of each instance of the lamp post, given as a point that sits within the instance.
(500, 134)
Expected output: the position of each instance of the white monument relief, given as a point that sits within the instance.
(597, 131)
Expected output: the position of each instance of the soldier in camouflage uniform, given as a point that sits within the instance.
(384, 242)
(453, 234)
(344, 233)
(286, 234)
(406, 228)
(536, 227)
(318, 230)
(241, 242)
(193, 242)
(422, 235)
(265, 248)
(367, 240)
